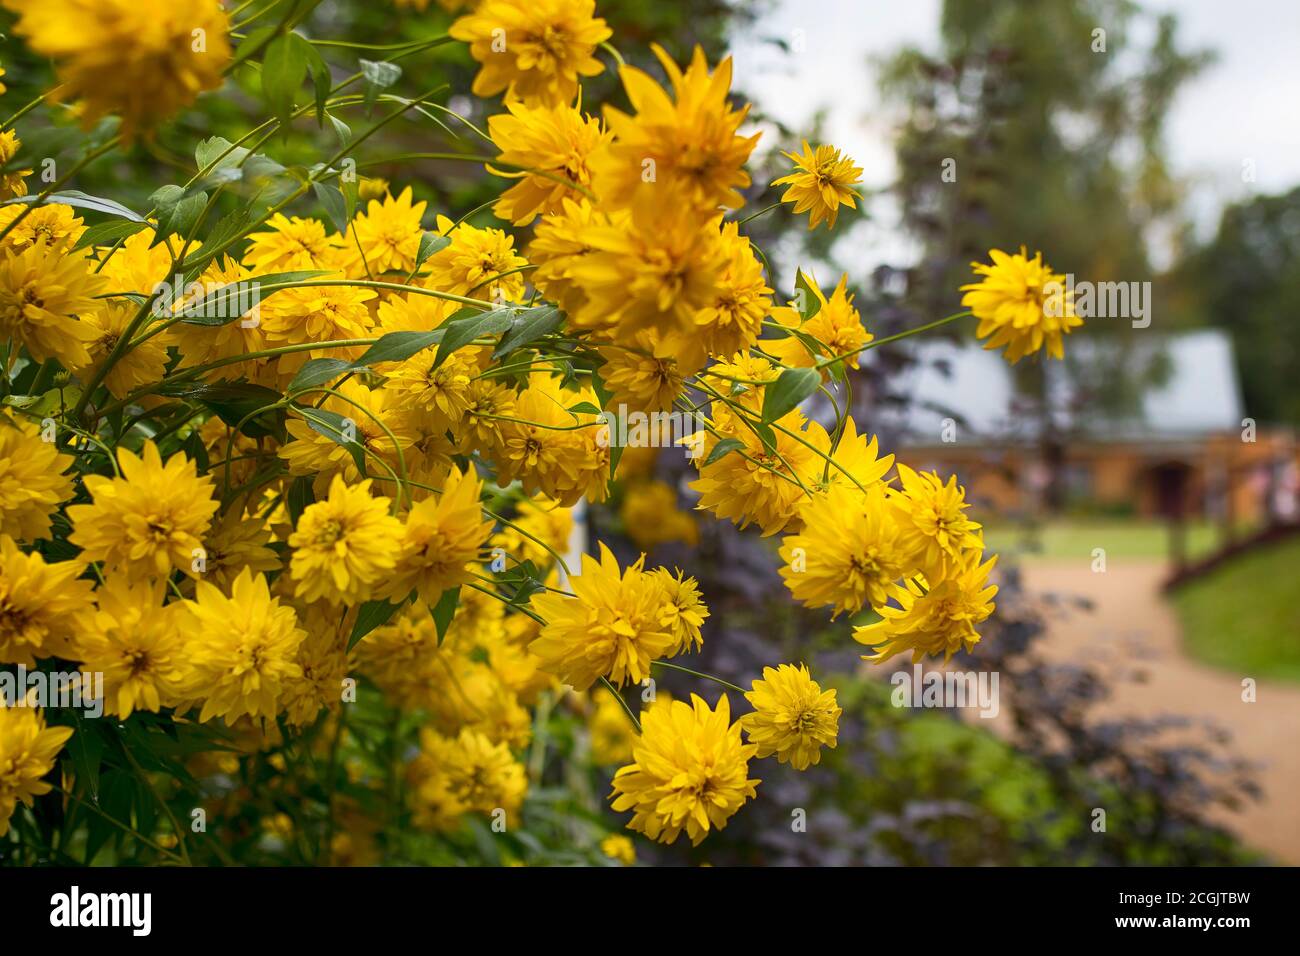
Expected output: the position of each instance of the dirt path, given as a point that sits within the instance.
(1131, 625)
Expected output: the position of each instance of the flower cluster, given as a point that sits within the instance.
(240, 512)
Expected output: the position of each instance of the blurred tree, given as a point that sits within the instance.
(1246, 281)
(1042, 125)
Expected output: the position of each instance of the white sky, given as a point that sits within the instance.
(1244, 106)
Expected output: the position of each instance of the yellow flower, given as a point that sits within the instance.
(291, 244)
(612, 627)
(141, 61)
(311, 453)
(732, 321)
(32, 480)
(612, 733)
(935, 620)
(323, 662)
(756, 483)
(651, 516)
(27, 753)
(533, 51)
(244, 648)
(235, 543)
(345, 546)
(386, 237)
(560, 240)
(11, 183)
(317, 314)
(474, 262)
(40, 604)
(822, 182)
(849, 553)
(793, 717)
(656, 273)
(55, 224)
(199, 344)
(643, 383)
(137, 644)
(473, 773)
(683, 612)
(487, 402)
(151, 520)
(557, 140)
(540, 524)
(440, 391)
(690, 772)
(41, 293)
(619, 848)
(931, 517)
(144, 364)
(676, 151)
(1016, 307)
(441, 536)
(836, 325)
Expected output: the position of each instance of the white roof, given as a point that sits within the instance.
(1191, 390)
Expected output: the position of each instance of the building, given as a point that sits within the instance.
(1179, 445)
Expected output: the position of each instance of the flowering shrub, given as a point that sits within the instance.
(290, 500)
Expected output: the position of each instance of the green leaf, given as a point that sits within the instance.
(341, 129)
(399, 346)
(584, 408)
(461, 331)
(222, 305)
(283, 68)
(252, 44)
(300, 495)
(527, 327)
(791, 387)
(321, 80)
(235, 401)
(444, 611)
(107, 233)
(336, 207)
(723, 448)
(811, 299)
(371, 615)
(430, 242)
(334, 427)
(75, 197)
(378, 76)
(318, 372)
(178, 212)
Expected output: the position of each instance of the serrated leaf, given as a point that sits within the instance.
(107, 233)
(444, 611)
(527, 327)
(430, 242)
(371, 615)
(723, 448)
(460, 332)
(378, 76)
(791, 387)
(177, 212)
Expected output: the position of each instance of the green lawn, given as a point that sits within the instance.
(1245, 616)
(1064, 539)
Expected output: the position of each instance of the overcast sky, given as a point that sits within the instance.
(1246, 105)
